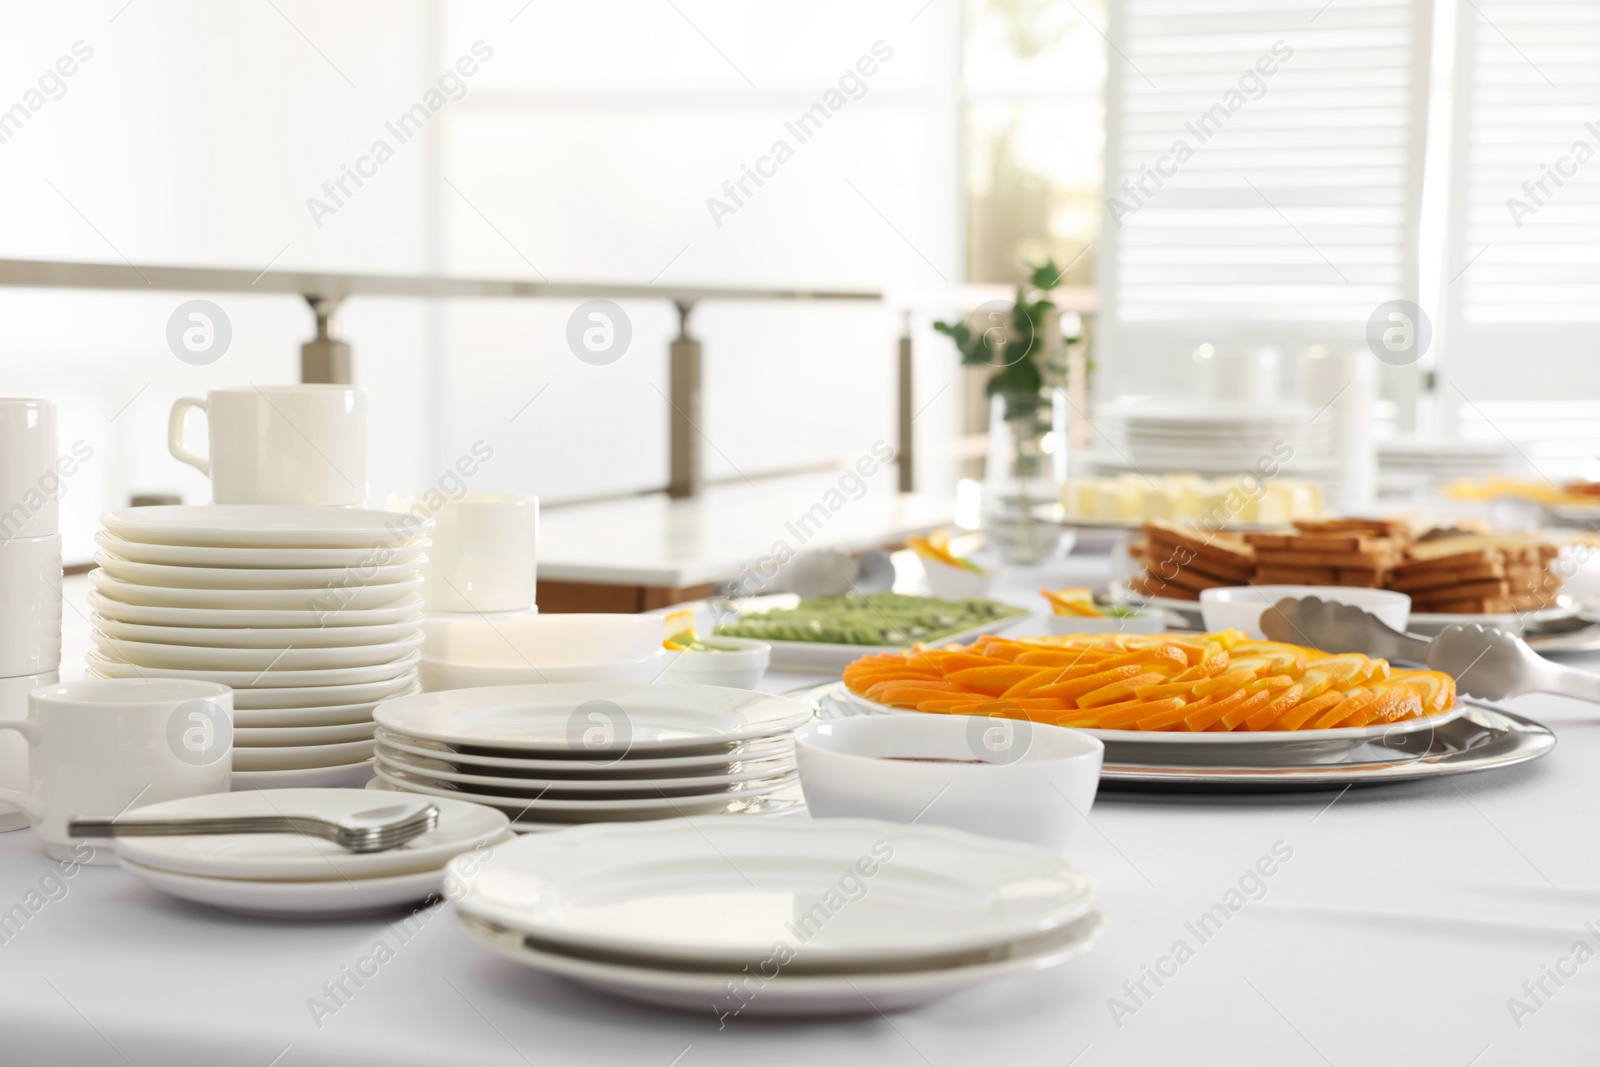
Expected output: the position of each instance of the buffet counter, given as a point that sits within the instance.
(1446, 923)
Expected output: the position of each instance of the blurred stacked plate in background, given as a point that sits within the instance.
(311, 614)
(555, 755)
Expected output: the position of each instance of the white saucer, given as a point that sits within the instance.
(296, 637)
(632, 767)
(300, 616)
(594, 720)
(282, 658)
(263, 678)
(307, 900)
(338, 597)
(749, 771)
(349, 776)
(536, 804)
(314, 715)
(787, 802)
(284, 736)
(264, 525)
(300, 757)
(210, 556)
(791, 995)
(296, 858)
(181, 577)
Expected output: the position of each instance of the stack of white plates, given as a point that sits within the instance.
(1418, 465)
(554, 755)
(1214, 435)
(776, 917)
(290, 874)
(312, 615)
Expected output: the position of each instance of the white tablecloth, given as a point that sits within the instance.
(1433, 924)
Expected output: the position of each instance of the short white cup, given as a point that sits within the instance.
(484, 556)
(102, 745)
(279, 444)
(30, 481)
(13, 749)
(30, 605)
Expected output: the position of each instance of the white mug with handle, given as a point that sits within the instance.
(279, 444)
(100, 746)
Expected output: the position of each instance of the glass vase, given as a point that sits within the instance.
(1023, 476)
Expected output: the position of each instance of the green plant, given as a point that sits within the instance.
(1013, 343)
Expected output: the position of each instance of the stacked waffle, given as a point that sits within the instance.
(1347, 552)
(1478, 574)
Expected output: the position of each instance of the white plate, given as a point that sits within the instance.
(315, 600)
(792, 994)
(304, 900)
(406, 611)
(264, 526)
(785, 803)
(350, 776)
(161, 574)
(439, 770)
(270, 637)
(314, 715)
(633, 807)
(1431, 623)
(285, 657)
(202, 556)
(263, 678)
(295, 857)
(319, 695)
(727, 890)
(284, 736)
(300, 757)
(591, 721)
(627, 768)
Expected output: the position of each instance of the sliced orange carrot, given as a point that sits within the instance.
(1163, 720)
(1163, 690)
(1224, 683)
(1124, 716)
(1075, 688)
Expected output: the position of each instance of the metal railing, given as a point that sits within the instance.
(325, 358)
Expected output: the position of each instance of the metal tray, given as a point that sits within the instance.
(1484, 738)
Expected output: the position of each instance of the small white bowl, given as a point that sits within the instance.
(460, 653)
(1239, 607)
(742, 666)
(1005, 778)
(958, 583)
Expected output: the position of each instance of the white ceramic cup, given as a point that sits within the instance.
(102, 745)
(279, 444)
(30, 482)
(30, 605)
(484, 556)
(13, 749)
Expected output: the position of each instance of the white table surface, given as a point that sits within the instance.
(676, 543)
(1395, 934)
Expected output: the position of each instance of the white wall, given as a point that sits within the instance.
(583, 150)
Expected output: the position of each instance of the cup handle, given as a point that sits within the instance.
(181, 408)
(31, 806)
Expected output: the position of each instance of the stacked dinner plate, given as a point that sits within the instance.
(300, 875)
(554, 755)
(312, 615)
(776, 916)
(1220, 436)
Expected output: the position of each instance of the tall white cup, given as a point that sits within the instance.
(29, 479)
(13, 749)
(279, 444)
(30, 605)
(484, 556)
(103, 745)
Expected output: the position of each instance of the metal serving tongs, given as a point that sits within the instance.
(374, 830)
(1486, 663)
